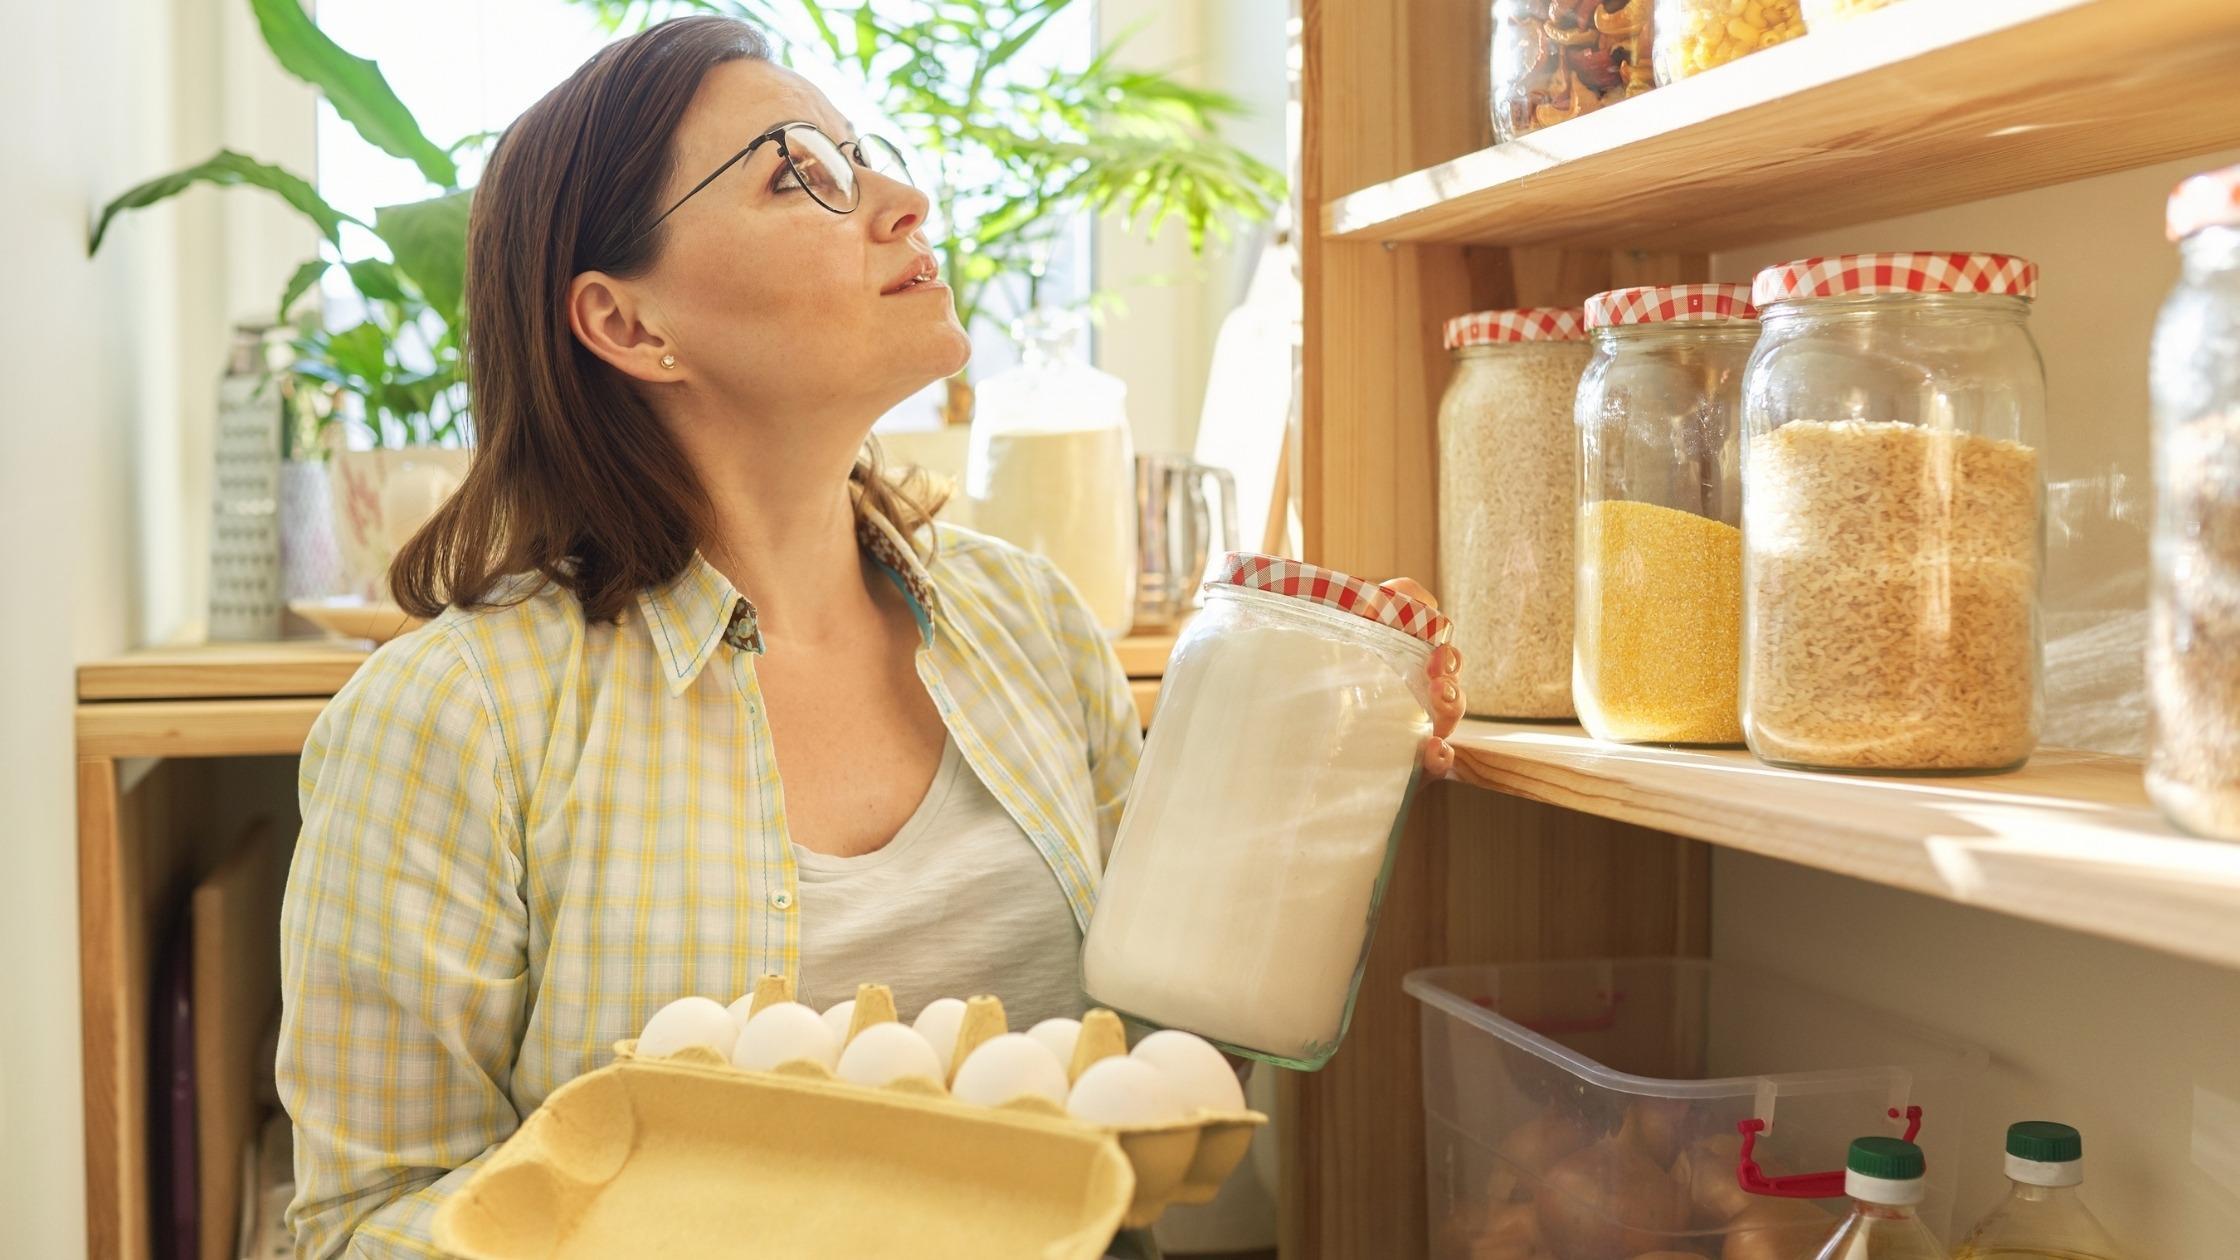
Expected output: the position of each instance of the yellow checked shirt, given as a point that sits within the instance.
(523, 834)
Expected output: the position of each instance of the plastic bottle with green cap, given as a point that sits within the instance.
(2044, 1217)
(1886, 1179)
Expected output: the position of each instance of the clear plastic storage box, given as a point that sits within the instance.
(1590, 1110)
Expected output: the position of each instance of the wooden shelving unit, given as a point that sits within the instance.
(1917, 106)
(1554, 846)
(2070, 839)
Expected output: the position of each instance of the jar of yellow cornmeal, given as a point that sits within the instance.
(1693, 36)
(1658, 631)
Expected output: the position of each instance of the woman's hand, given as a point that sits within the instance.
(1446, 689)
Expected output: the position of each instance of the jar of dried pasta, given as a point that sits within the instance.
(1657, 645)
(2193, 647)
(1557, 59)
(1693, 36)
(1508, 475)
(1893, 514)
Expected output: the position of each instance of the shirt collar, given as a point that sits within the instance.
(699, 610)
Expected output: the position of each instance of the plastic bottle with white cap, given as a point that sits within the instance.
(1886, 1179)
(2044, 1217)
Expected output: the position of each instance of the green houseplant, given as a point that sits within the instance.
(398, 372)
(1018, 150)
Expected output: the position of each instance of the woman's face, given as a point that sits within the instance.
(774, 303)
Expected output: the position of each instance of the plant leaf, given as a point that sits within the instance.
(300, 283)
(867, 38)
(227, 169)
(378, 280)
(831, 37)
(353, 85)
(429, 240)
(1010, 47)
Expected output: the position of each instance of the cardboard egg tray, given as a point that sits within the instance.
(688, 1152)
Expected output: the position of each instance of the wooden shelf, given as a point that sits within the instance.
(296, 667)
(2069, 839)
(1928, 103)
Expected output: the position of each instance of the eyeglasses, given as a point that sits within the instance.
(814, 161)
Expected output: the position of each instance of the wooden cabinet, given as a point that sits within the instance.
(1553, 846)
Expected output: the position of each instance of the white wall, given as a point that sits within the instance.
(1162, 345)
(2140, 1050)
(108, 373)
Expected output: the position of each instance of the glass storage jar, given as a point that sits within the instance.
(2193, 647)
(1558, 59)
(1508, 478)
(1657, 644)
(1244, 883)
(1693, 36)
(1893, 514)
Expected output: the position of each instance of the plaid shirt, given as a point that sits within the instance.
(523, 834)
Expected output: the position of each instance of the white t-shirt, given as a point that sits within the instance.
(959, 903)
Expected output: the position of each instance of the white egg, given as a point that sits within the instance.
(692, 1021)
(1123, 1091)
(1013, 1065)
(884, 1053)
(743, 1009)
(787, 1032)
(939, 1023)
(838, 1018)
(1195, 1071)
(1058, 1036)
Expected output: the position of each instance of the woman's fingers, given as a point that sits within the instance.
(1447, 698)
(1412, 589)
(1438, 758)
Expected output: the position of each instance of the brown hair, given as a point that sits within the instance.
(573, 476)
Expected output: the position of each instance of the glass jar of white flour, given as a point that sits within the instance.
(1243, 886)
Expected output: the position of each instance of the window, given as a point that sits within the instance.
(471, 66)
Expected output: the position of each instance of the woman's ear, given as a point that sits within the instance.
(607, 317)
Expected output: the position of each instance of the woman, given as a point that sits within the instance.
(704, 696)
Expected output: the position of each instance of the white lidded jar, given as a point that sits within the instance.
(1242, 889)
(1052, 469)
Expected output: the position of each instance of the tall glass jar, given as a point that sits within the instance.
(1557, 59)
(1508, 477)
(1893, 514)
(1698, 35)
(1244, 884)
(1657, 643)
(2193, 648)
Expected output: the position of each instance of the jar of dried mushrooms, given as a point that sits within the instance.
(1557, 59)
(1657, 644)
(1893, 514)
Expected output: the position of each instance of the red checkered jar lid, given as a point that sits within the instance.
(1275, 575)
(1670, 304)
(1856, 275)
(2205, 201)
(1529, 323)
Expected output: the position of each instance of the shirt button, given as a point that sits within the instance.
(782, 900)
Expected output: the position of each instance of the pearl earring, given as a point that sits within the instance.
(668, 361)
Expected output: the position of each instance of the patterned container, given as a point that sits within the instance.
(1657, 643)
(1242, 890)
(245, 492)
(1508, 488)
(1893, 514)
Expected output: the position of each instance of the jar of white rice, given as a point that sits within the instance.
(1243, 886)
(1893, 513)
(1508, 480)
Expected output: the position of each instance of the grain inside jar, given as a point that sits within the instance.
(1892, 575)
(1660, 624)
(1508, 472)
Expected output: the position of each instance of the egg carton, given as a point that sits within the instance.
(1182, 1162)
(681, 1158)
